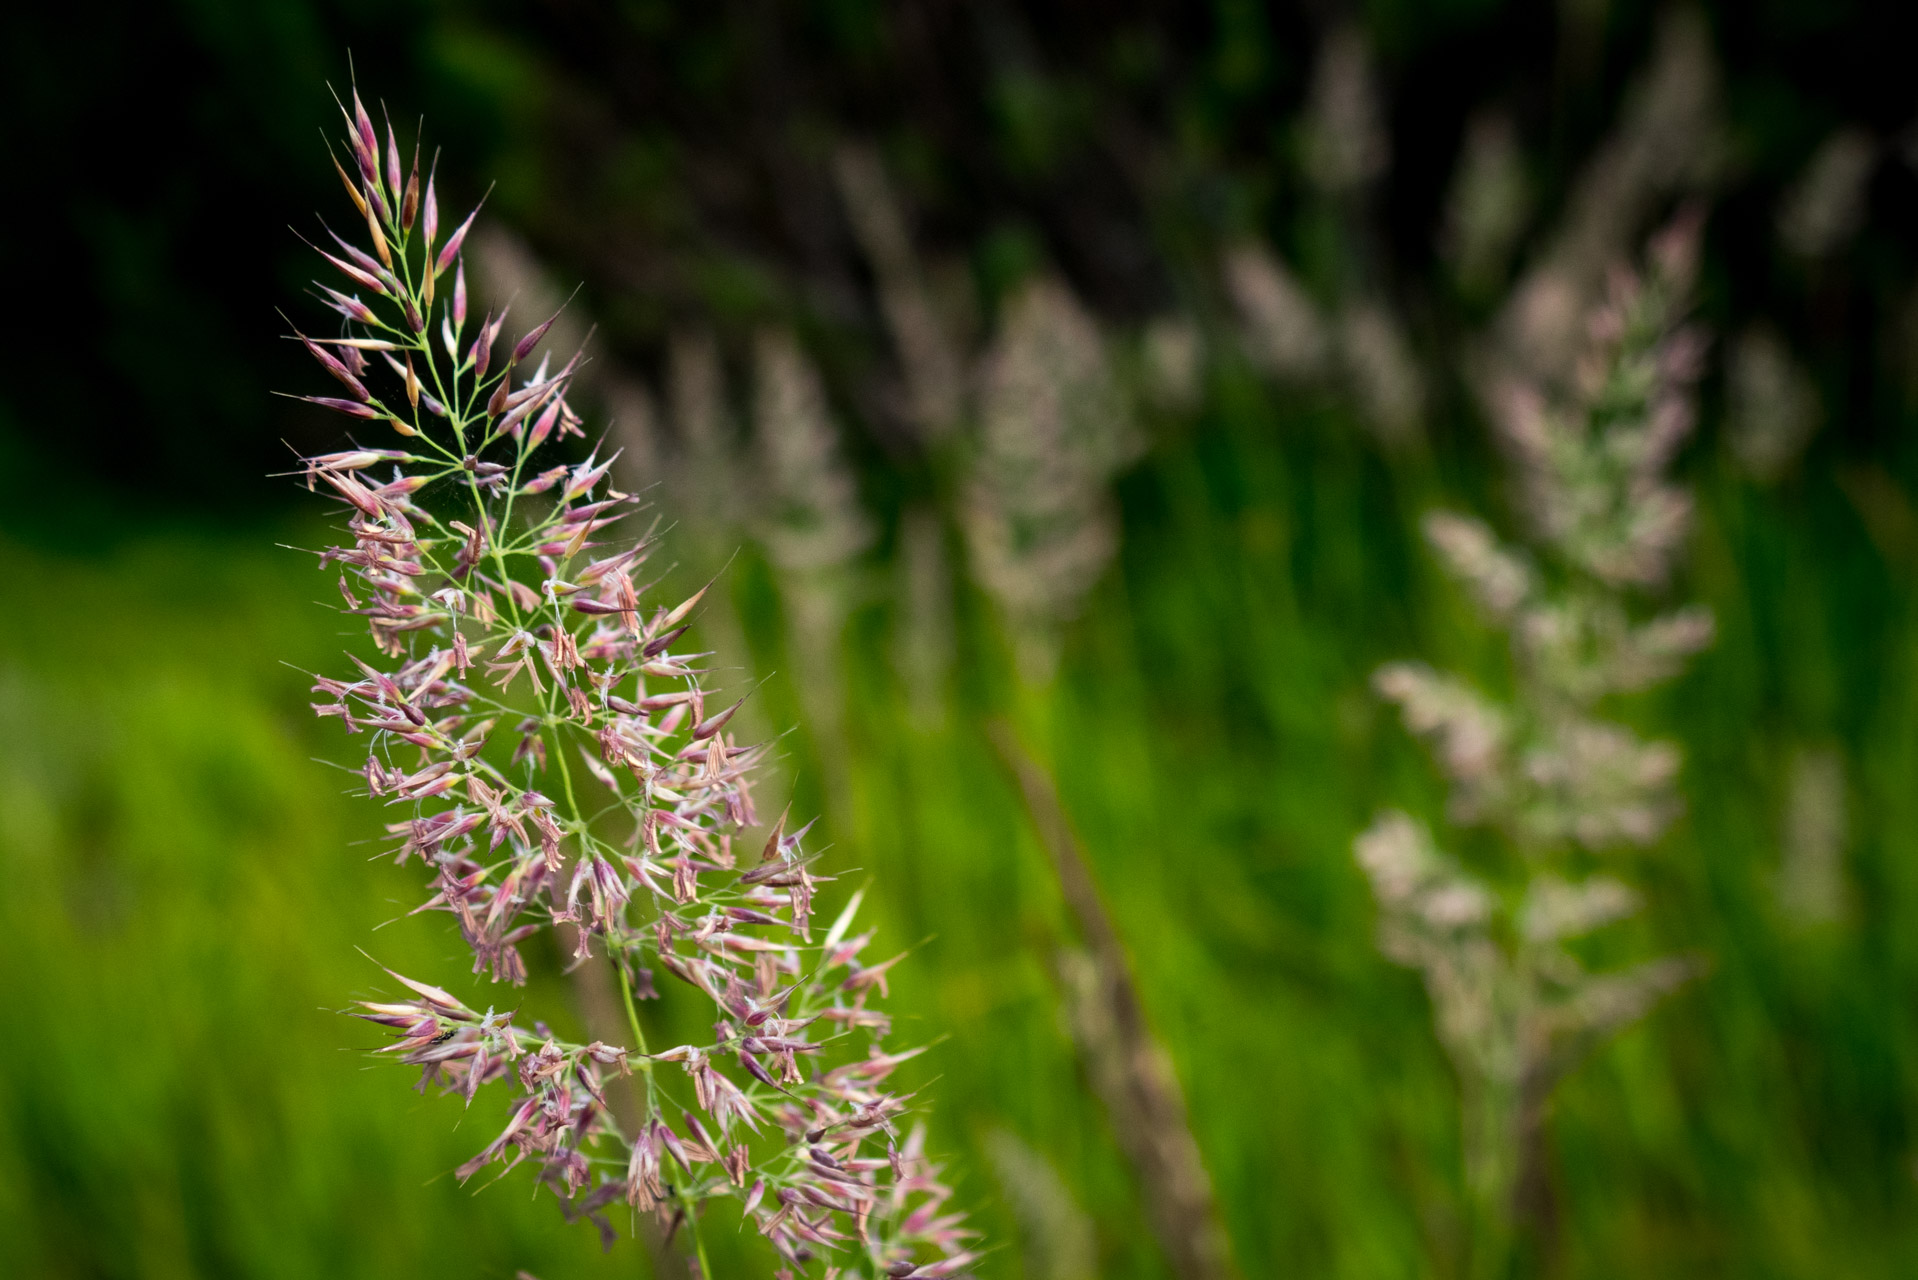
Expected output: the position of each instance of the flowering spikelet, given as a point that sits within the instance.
(1514, 1009)
(554, 763)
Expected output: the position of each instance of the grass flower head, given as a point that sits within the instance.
(553, 763)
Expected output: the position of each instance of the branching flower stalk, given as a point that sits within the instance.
(558, 767)
(1515, 1009)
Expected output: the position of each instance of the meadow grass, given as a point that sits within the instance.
(185, 892)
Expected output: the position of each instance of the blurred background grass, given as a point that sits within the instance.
(183, 885)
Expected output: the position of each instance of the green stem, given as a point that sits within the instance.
(699, 1243)
(644, 1062)
(565, 771)
(632, 1011)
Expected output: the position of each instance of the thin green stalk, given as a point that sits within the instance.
(699, 1243)
(632, 1014)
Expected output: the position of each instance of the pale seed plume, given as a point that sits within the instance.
(1513, 1007)
(1054, 429)
(1669, 141)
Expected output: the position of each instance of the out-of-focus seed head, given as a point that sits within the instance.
(1513, 1007)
